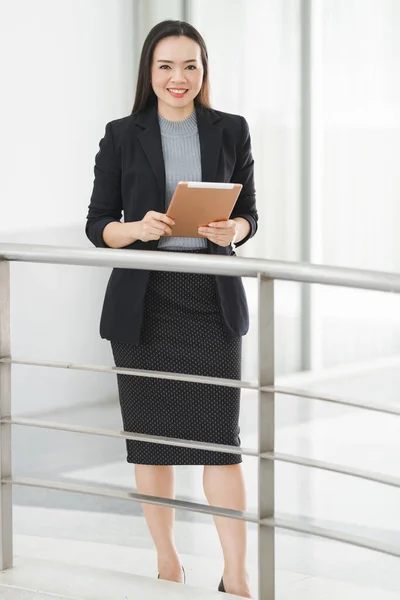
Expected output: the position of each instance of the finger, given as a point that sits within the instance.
(213, 236)
(221, 224)
(217, 240)
(161, 227)
(154, 224)
(164, 219)
(219, 237)
(164, 229)
(215, 231)
(208, 230)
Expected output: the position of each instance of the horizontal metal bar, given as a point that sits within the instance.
(194, 263)
(233, 383)
(141, 437)
(305, 462)
(333, 467)
(128, 259)
(287, 524)
(124, 495)
(374, 406)
(332, 534)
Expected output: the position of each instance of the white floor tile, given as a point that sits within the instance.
(11, 593)
(75, 582)
(318, 588)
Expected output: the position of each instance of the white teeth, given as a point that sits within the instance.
(177, 91)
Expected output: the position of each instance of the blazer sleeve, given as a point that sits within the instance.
(243, 173)
(106, 201)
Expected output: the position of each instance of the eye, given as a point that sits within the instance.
(189, 67)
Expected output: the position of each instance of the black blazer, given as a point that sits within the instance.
(130, 179)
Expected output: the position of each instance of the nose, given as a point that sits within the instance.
(178, 76)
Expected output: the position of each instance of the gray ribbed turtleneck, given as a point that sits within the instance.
(182, 159)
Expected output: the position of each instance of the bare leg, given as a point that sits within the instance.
(224, 487)
(160, 481)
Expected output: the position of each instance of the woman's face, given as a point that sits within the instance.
(176, 74)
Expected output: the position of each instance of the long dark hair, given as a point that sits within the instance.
(145, 95)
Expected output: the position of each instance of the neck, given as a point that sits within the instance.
(175, 114)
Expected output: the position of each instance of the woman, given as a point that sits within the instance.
(176, 322)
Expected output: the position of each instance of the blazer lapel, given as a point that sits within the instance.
(210, 137)
(150, 139)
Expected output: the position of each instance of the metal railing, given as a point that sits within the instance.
(266, 272)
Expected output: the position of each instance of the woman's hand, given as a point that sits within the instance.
(153, 226)
(222, 233)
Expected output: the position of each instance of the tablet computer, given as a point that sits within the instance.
(197, 203)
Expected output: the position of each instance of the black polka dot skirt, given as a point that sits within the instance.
(182, 333)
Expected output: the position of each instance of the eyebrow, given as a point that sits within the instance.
(171, 61)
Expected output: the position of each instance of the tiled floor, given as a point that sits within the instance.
(109, 536)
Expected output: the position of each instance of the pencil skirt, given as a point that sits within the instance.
(182, 332)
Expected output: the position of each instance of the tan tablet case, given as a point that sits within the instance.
(196, 204)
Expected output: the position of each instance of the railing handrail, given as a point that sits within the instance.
(266, 271)
(210, 264)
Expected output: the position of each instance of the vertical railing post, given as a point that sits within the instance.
(6, 525)
(266, 438)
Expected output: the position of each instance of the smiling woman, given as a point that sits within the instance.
(177, 322)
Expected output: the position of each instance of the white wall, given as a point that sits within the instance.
(357, 217)
(151, 12)
(67, 69)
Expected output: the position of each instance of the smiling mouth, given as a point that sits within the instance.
(177, 91)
